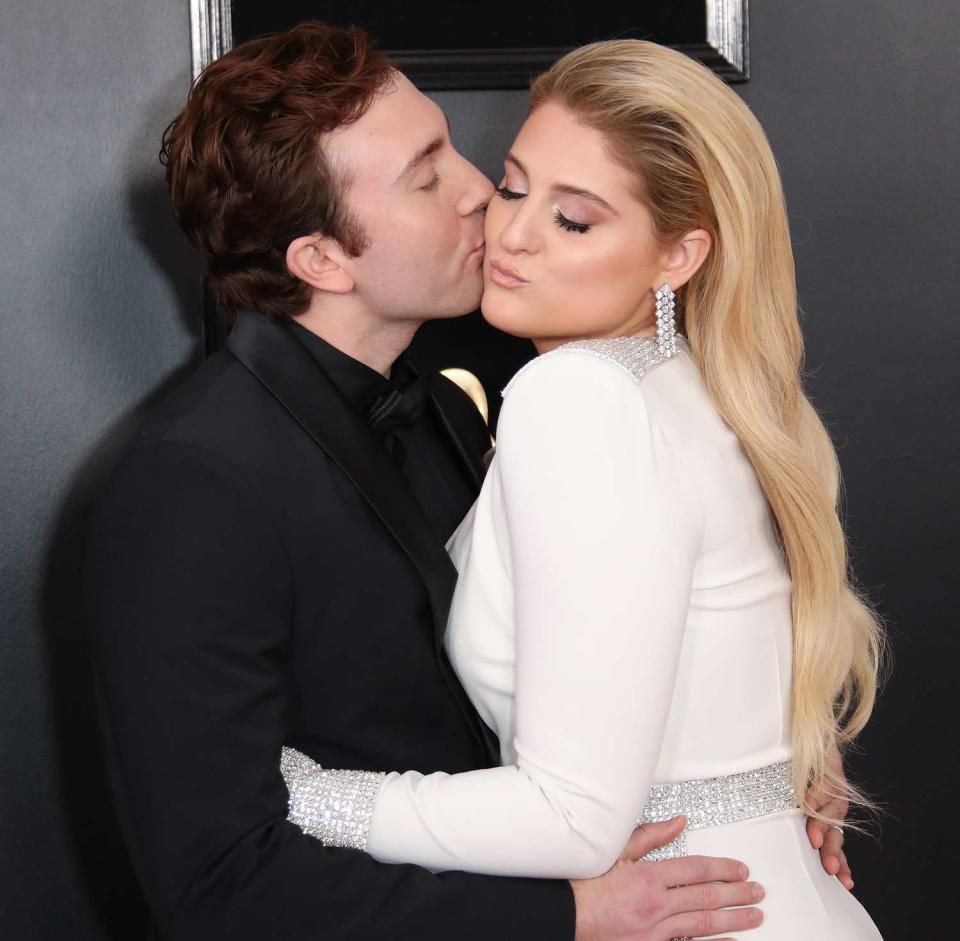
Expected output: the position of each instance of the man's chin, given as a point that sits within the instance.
(454, 315)
(458, 308)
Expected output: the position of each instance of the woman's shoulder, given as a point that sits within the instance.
(593, 389)
(599, 362)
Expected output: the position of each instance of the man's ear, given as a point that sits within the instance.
(321, 263)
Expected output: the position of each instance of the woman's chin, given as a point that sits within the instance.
(497, 314)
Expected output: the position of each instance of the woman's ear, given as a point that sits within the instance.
(321, 263)
(684, 258)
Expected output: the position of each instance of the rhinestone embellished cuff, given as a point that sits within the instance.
(713, 802)
(334, 806)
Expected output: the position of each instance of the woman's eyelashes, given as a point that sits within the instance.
(432, 184)
(568, 225)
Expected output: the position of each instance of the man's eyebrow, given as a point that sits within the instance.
(566, 187)
(423, 153)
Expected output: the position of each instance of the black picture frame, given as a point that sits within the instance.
(452, 46)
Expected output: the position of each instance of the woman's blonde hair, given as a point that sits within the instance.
(703, 161)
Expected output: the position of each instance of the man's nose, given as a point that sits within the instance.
(477, 191)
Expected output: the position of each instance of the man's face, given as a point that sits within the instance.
(420, 205)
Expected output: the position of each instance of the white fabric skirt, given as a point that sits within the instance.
(802, 902)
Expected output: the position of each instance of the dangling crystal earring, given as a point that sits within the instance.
(666, 330)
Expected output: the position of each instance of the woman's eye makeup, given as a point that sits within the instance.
(568, 225)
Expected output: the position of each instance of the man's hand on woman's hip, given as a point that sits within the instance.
(690, 897)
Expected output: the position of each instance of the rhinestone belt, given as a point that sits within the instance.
(713, 802)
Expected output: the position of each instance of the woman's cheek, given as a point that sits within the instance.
(493, 220)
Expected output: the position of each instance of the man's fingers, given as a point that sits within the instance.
(832, 857)
(693, 870)
(845, 875)
(703, 924)
(651, 836)
(835, 807)
(833, 841)
(830, 851)
(707, 896)
(834, 860)
(816, 832)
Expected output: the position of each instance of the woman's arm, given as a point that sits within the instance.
(603, 538)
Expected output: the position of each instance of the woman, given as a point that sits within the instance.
(653, 610)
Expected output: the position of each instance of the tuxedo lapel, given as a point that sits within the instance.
(288, 372)
(298, 383)
(465, 455)
(467, 448)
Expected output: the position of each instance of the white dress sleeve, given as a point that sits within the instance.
(603, 535)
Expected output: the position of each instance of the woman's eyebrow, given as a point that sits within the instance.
(566, 187)
(586, 194)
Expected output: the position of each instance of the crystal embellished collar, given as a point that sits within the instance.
(635, 355)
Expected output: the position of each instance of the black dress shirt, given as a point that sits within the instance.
(421, 449)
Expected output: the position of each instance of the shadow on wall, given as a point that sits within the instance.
(93, 832)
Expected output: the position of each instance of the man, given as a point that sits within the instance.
(267, 566)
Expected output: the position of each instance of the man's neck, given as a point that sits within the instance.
(373, 341)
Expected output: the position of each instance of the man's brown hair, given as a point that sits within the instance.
(245, 169)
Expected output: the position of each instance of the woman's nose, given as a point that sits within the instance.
(517, 234)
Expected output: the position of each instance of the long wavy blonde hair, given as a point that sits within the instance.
(703, 161)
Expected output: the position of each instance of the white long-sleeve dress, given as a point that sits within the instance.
(622, 619)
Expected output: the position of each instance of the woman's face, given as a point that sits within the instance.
(570, 249)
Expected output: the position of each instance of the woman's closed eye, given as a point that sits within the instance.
(568, 225)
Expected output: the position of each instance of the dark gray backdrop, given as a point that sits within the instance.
(101, 310)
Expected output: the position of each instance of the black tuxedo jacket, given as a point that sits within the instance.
(259, 574)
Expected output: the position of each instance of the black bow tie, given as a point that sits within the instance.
(399, 406)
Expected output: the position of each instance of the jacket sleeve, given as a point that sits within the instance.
(190, 598)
